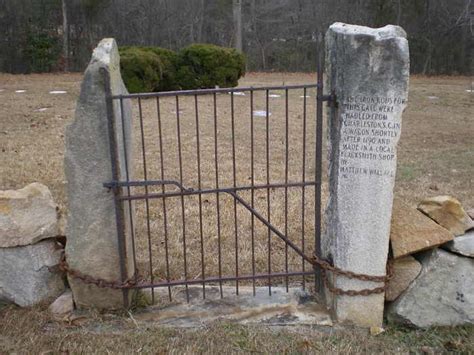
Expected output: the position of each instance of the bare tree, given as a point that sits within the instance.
(65, 36)
(237, 14)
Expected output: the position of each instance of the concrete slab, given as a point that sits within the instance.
(295, 307)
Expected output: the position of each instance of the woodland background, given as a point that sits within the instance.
(275, 35)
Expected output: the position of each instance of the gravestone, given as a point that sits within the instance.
(368, 70)
(92, 244)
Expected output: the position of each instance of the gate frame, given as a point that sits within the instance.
(120, 198)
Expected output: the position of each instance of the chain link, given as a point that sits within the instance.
(102, 283)
(325, 266)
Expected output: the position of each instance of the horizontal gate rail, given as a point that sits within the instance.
(189, 191)
(216, 280)
(213, 91)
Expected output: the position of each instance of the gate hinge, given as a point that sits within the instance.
(331, 99)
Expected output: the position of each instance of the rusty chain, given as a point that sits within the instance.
(326, 267)
(102, 283)
(323, 264)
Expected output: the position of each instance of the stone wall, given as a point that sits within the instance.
(29, 252)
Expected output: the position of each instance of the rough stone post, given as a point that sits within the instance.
(92, 244)
(368, 70)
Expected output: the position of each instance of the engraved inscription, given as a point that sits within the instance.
(369, 133)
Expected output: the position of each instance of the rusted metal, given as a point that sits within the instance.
(99, 282)
(318, 173)
(328, 268)
(176, 188)
(183, 216)
(137, 282)
(267, 154)
(198, 160)
(162, 173)
(119, 210)
(147, 202)
(212, 91)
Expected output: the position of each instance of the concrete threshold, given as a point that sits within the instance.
(282, 308)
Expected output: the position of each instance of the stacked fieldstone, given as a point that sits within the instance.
(433, 251)
(29, 251)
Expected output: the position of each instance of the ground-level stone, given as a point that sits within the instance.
(92, 235)
(405, 270)
(443, 294)
(26, 278)
(470, 213)
(411, 231)
(27, 216)
(283, 308)
(367, 69)
(447, 212)
(462, 245)
(63, 305)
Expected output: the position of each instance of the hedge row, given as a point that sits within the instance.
(199, 66)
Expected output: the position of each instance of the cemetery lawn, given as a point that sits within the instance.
(436, 157)
(436, 150)
(33, 331)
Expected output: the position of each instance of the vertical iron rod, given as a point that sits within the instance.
(303, 178)
(236, 236)
(127, 176)
(147, 202)
(252, 192)
(198, 152)
(119, 208)
(286, 182)
(267, 137)
(162, 174)
(318, 174)
(216, 163)
(180, 158)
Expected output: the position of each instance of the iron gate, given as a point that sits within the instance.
(224, 186)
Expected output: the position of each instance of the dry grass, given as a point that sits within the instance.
(34, 331)
(436, 156)
(220, 230)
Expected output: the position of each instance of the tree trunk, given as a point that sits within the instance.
(65, 36)
(201, 22)
(237, 12)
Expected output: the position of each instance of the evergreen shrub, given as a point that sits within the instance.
(141, 69)
(146, 69)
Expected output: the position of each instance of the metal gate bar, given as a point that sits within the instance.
(123, 191)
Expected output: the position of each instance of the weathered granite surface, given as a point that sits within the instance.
(27, 216)
(470, 213)
(462, 245)
(368, 70)
(25, 277)
(405, 270)
(411, 231)
(443, 294)
(63, 305)
(447, 212)
(92, 246)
